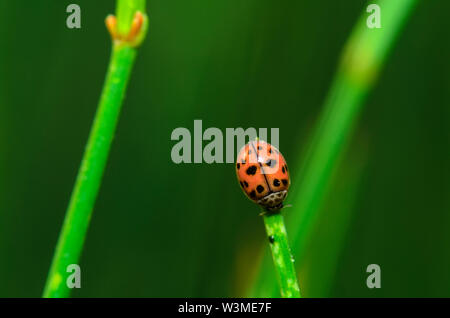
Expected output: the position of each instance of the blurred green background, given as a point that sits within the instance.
(166, 230)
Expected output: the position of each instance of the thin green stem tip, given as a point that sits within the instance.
(282, 256)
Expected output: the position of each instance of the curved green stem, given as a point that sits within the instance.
(72, 236)
(282, 256)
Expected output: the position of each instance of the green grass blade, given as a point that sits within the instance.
(320, 264)
(72, 236)
(363, 57)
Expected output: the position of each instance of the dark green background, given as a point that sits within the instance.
(161, 229)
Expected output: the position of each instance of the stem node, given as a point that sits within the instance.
(136, 33)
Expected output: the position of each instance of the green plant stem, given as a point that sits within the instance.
(361, 62)
(281, 254)
(78, 215)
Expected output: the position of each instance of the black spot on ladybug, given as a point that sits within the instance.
(271, 163)
(285, 182)
(270, 150)
(271, 239)
(246, 184)
(285, 166)
(260, 188)
(238, 165)
(259, 148)
(242, 185)
(253, 194)
(276, 182)
(282, 169)
(251, 170)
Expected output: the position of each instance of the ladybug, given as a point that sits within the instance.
(263, 174)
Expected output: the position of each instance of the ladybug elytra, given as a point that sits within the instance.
(263, 174)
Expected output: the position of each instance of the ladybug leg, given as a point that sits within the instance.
(266, 211)
(272, 210)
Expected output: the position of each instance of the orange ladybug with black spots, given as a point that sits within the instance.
(263, 174)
